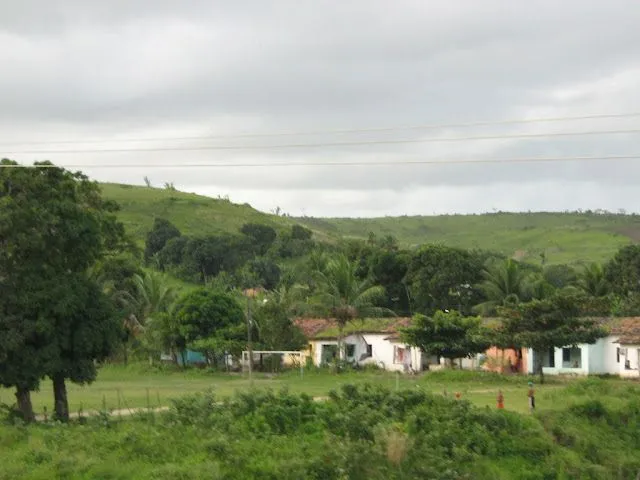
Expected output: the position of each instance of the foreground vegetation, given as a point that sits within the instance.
(359, 432)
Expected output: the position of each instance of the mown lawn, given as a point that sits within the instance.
(118, 387)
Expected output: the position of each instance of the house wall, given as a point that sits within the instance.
(633, 357)
(495, 358)
(597, 358)
(382, 351)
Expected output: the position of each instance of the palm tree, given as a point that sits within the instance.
(152, 297)
(592, 281)
(121, 298)
(345, 297)
(505, 283)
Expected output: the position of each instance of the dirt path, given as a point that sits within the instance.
(123, 412)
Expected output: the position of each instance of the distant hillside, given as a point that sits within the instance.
(563, 237)
(191, 213)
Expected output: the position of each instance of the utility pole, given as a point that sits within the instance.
(249, 346)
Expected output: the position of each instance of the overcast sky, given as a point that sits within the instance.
(74, 70)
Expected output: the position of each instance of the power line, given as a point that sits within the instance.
(435, 126)
(342, 164)
(332, 144)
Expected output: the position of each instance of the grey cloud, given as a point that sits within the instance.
(75, 69)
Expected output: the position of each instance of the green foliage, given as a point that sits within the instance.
(388, 268)
(545, 324)
(343, 295)
(435, 274)
(448, 335)
(211, 322)
(505, 283)
(54, 227)
(568, 238)
(276, 330)
(161, 232)
(623, 271)
(592, 281)
(262, 236)
(360, 432)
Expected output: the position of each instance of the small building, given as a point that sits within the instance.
(374, 341)
(507, 360)
(616, 354)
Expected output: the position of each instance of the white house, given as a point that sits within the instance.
(371, 341)
(616, 354)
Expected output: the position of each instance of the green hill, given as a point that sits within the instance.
(563, 237)
(192, 214)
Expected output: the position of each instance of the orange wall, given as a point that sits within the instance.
(496, 355)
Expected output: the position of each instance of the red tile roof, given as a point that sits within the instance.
(627, 328)
(317, 328)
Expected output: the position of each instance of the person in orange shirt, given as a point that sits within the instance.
(500, 400)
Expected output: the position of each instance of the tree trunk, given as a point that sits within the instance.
(61, 403)
(125, 353)
(540, 370)
(23, 398)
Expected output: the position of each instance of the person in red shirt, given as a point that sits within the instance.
(500, 400)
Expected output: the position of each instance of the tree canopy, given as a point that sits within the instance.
(54, 226)
(211, 322)
(447, 334)
(551, 323)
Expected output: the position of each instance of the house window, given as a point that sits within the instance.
(566, 355)
(369, 350)
(399, 354)
(351, 349)
(618, 355)
(552, 357)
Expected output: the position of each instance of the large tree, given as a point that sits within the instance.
(151, 297)
(623, 270)
(261, 236)
(274, 319)
(161, 232)
(343, 296)
(54, 225)
(436, 273)
(116, 278)
(448, 335)
(84, 328)
(211, 322)
(551, 323)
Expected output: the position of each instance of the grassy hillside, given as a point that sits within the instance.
(192, 214)
(563, 237)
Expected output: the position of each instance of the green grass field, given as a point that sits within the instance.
(192, 214)
(118, 387)
(563, 237)
(582, 428)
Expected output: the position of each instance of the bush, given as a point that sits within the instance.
(360, 432)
